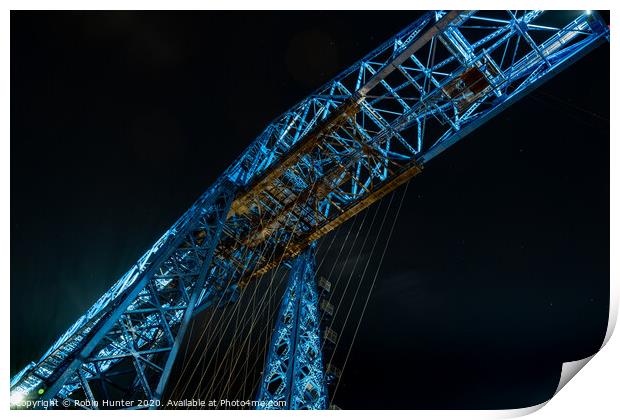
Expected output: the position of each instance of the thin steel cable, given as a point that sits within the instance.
(281, 258)
(219, 343)
(269, 288)
(272, 278)
(213, 312)
(342, 295)
(204, 329)
(344, 243)
(569, 104)
(261, 346)
(247, 353)
(189, 339)
(263, 306)
(233, 345)
(371, 290)
(216, 328)
(223, 312)
(247, 321)
(268, 324)
(362, 277)
(269, 321)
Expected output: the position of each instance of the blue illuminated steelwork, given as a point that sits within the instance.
(348, 144)
(294, 375)
(136, 328)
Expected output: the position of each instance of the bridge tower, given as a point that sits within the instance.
(294, 374)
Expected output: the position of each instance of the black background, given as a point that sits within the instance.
(499, 267)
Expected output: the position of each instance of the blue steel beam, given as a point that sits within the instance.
(348, 144)
(136, 328)
(378, 123)
(294, 375)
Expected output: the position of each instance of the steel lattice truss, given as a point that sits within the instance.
(376, 124)
(294, 376)
(126, 343)
(348, 144)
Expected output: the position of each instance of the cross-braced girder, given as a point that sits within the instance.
(375, 125)
(294, 375)
(125, 346)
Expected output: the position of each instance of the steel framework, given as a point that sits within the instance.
(348, 144)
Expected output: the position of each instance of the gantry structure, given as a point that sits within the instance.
(348, 144)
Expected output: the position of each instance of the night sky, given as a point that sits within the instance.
(498, 269)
